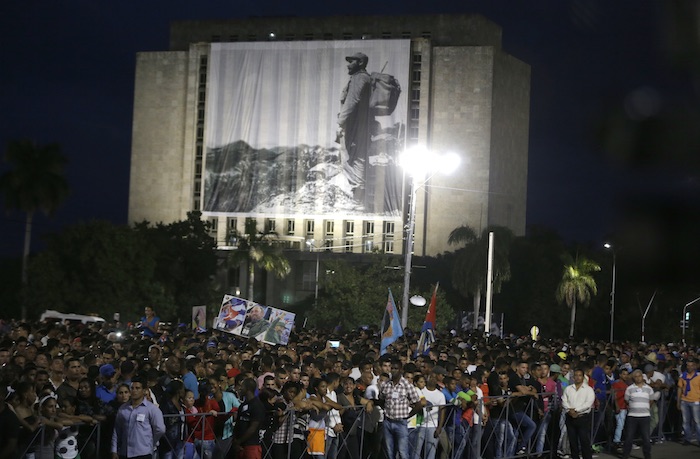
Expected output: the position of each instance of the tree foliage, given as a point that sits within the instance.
(577, 285)
(257, 249)
(34, 183)
(471, 261)
(352, 295)
(98, 267)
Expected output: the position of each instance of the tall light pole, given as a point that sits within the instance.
(612, 292)
(418, 162)
(684, 322)
(312, 248)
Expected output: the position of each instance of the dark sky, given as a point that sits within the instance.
(606, 79)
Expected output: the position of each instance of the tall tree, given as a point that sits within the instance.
(471, 264)
(256, 249)
(577, 285)
(34, 183)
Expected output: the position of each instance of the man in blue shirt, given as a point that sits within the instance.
(138, 426)
(106, 391)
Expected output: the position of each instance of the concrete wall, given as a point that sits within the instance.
(158, 191)
(460, 122)
(509, 145)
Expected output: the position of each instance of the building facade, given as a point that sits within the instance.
(460, 92)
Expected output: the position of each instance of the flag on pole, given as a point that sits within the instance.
(427, 334)
(391, 325)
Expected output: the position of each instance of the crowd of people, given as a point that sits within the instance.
(85, 391)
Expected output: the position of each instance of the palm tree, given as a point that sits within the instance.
(258, 249)
(577, 285)
(471, 265)
(35, 182)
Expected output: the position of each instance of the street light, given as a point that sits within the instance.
(612, 293)
(683, 320)
(310, 243)
(418, 162)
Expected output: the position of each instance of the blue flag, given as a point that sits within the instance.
(391, 325)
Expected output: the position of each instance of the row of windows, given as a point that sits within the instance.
(199, 139)
(349, 242)
(323, 36)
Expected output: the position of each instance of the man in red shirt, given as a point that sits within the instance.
(619, 387)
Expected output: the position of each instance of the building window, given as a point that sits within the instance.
(388, 229)
(388, 246)
(270, 225)
(405, 34)
(290, 37)
(348, 245)
(232, 224)
(349, 227)
(308, 279)
(233, 38)
(328, 243)
(427, 34)
(330, 227)
(369, 228)
(290, 227)
(213, 225)
(215, 38)
(347, 36)
(368, 246)
(310, 224)
(308, 36)
(328, 36)
(386, 35)
(252, 37)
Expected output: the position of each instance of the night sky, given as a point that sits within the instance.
(613, 103)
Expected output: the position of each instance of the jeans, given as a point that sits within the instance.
(619, 425)
(396, 438)
(200, 449)
(505, 438)
(527, 426)
(691, 410)
(633, 425)
(423, 438)
(455, 434)
(465, 430)
(332, 447)
(177, 451)
(542, 432)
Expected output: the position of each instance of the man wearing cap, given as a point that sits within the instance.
(440, 372)
(354, 119)
(106, 391)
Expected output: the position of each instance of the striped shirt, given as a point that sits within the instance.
(638, 400)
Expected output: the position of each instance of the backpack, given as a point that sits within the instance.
(385, 93)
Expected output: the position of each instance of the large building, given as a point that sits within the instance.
(238, 119)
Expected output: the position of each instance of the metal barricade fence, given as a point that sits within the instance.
(43, 443)
(507, 433)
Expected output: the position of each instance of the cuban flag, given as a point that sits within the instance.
(391, 325)
(427, 334)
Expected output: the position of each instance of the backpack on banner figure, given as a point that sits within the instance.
(385, 93)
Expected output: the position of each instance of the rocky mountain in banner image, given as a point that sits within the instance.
(307, 179)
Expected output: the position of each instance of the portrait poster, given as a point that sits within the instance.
(311, 128)
(231, 314)
(199, 317)
(252, 320)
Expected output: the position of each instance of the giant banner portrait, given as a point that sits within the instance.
(310, 128)
(252, 320)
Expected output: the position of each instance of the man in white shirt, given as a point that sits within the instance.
(577, 402)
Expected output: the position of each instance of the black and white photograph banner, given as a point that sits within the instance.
(306, 128)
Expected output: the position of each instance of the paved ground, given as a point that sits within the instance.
(666, 450)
